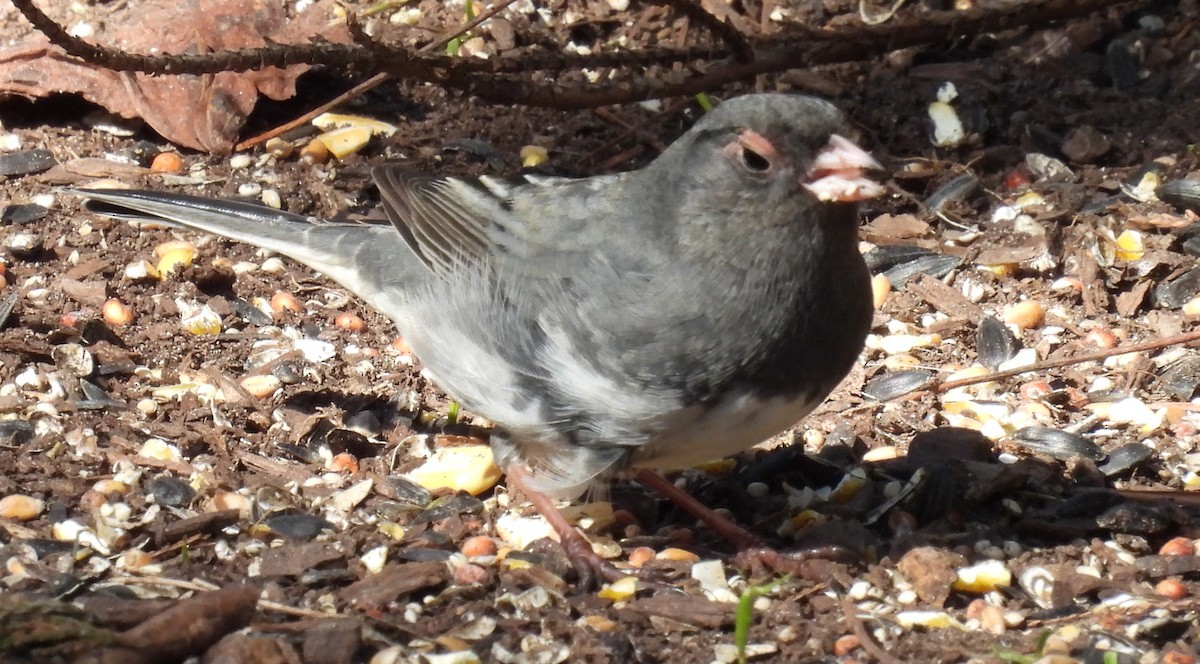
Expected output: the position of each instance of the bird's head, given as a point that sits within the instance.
(773, 150)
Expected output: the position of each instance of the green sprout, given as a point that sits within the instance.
(454, 44)
(745, 610)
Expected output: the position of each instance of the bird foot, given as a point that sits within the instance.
(589, 566)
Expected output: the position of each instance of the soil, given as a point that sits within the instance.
(909, 491)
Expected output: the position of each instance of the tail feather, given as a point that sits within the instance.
(351, 254)
(281, 232)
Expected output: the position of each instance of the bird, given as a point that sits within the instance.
(619, 324)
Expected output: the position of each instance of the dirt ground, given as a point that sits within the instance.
(1051, 515)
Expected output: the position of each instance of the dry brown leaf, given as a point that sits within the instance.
(201, 112)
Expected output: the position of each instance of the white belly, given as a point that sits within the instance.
(692, 437)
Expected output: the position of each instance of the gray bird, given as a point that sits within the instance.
(653, 319)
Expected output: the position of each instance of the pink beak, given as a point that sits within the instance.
(837, 173)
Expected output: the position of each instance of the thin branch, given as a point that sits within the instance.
(723, 30)
(795, 47)
(850, 611)
(373, 82)
(1156, 344)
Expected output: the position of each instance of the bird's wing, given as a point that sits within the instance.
(529, 225)
(448, 221)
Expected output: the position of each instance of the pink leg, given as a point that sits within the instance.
(753, 552)
(585, 560)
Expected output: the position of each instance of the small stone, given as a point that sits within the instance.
(469, 468)
(599, 622)
(20, 507)
(116, 313)
(1025, 315)
(533, 155)
(170, 491)
(1171, 588)
(881, 286)
(156, 448)
(261, 386)
(26, 162)
(1084, 144)
(271, 199)
(283, 301)
(992, 620)
(470, 573)
(350, 322)
(640, 556)
(678, 555)
(166, 162)
(479, 545)
(297, 526)
(620, 590)
(845, 645)
(279, 148)
(1178, 546)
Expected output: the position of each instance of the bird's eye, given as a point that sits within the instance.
(754, 161)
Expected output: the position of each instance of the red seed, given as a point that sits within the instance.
(1171, 588)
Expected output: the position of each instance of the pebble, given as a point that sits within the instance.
(678, 555)
(845, 645)
(157, 448)
(881, 287)
(249, 189)
(170, 491)
(350, 322)
(240, 161)
(469, 574)
(177, 255)
(166, 162)
(1025, 315)
(283, 301)
(26, 162)
(271, 199)
(640, 556)
(261, 386)
(1178, 546)
(479, 545)
(469, 468)
(983, 577)
(1171, 588)
(116, 313)
(599, 622)
(533, 155)
(20, 507)
(620, 590)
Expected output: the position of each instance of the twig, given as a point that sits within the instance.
(1155, 344)
(864, 639)
(371, 83)
(205, 586)
(796, 46)
(722, 29)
